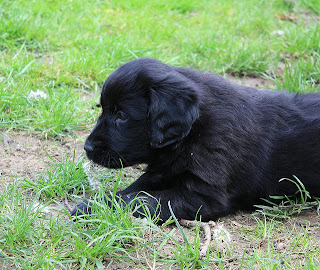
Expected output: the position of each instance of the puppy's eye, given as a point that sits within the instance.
(120, 115)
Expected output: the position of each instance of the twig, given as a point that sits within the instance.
(67, 204)
(296, 205)
(205, 226)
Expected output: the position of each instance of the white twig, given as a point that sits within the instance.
(67, 204)
(205, 226)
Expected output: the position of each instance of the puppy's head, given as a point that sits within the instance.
(146, 105)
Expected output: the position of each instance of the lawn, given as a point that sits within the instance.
(66, 49)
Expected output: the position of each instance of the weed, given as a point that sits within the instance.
(290, 205)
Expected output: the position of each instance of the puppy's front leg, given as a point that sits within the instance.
(185, 204)
(189, 200)
(147, 181)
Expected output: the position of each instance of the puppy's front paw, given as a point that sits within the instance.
(82, 209)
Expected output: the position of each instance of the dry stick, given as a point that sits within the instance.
(296, 205)
(207, 233)
(67, 204)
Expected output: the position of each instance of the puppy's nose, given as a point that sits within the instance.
(88, 147)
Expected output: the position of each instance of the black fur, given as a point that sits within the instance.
(209, 144)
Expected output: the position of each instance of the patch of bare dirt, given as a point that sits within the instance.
(24, 155)
(241, 236)
(247, 234)
(258, 82)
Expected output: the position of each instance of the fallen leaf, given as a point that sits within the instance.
(284, 17)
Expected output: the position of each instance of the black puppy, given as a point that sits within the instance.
(209, 144)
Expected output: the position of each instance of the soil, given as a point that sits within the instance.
(258, 82)
(25, 155)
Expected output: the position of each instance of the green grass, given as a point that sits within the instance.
(36, 230)
(32, 238)
(301, 76)
(289, 205)
(67, 49)
(62, 178)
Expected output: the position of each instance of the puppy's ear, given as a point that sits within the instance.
(173, 108)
